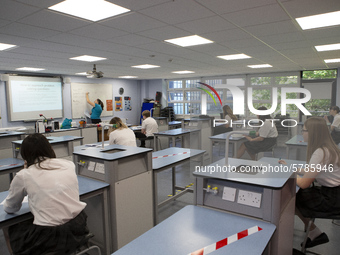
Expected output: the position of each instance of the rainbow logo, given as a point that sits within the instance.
(208, 92)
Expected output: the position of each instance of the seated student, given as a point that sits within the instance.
(121, 134)
(323, 200)
(335, 127)
(149, 126)
(229, 116)
(51, 184)
(266, 138)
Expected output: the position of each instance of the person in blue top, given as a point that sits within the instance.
(97, 109)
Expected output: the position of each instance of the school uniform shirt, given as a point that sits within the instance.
(336, 123)
(96, 111)
(268, 130)
(124, 136)
(228, 118)
(150, 126)
(329, 177)
(53, 194)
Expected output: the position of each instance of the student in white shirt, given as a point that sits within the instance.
(323, 166)
(121, 134)
(264, 140)
(51, 184)
(149, 126)
(335, 126)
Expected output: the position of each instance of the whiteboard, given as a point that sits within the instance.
(78, 97)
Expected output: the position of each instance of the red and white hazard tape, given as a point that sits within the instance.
(170, 155)
(231, 239)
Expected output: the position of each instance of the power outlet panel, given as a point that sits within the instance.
(249, 198)
(229, 194)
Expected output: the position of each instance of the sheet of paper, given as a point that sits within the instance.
(100, 168)
(92, 166)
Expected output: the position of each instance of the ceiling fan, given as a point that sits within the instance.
(94, 73)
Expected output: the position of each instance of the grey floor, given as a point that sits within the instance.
(184, 177)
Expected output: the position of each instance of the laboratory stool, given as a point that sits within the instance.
(87, 246)
(149, 142)
(303, 248)
(261, 153)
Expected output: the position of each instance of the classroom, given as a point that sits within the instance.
(193, 127)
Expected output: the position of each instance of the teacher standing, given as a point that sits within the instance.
(97, 109)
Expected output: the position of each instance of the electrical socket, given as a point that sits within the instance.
(249, 198)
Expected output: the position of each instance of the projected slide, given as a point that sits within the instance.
(31, 96)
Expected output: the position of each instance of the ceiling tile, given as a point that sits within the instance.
(227, 6)
(53, 20)
(131, 40)
(164, 33)
(12, 10)
(40, 3)
(133, 22)
(272, 28)
(258, 15)
(206, 25)
(179, 11)
(303, 8)
(98, 31)
(23, 30)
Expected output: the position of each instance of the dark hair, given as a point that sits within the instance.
(146, 113)
(100, 102)
(263, 117)
(35, 149)
(335, 108)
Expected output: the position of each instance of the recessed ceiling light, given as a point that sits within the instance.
(328, 47)
(83, 73)
(320, 20)
(260, 66)
(183, 72)
(333, 60)
(234, 56)
(33, 69)
(189, 41)
(128, 77)
(88, 58)
(93, 10)
(5, 46)
(146, 66)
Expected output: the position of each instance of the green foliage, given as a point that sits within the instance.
(319, 74)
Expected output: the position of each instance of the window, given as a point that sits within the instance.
(319, 74)
(185, 96)
(175, 84)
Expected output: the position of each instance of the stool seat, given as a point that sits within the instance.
(85, 243)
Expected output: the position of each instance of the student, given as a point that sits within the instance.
(97, 109)
(335, 127)
(149, 126)
(323, 200)
(59, 224)
(265, 138)
(228, 115)
(121, 134)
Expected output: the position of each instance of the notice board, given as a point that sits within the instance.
(78, 97)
